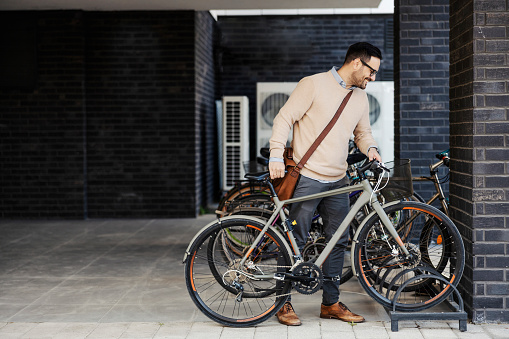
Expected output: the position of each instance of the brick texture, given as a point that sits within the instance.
(116, 119)
(207, 168)
(421, 79)
(140, 96)
(41, 129)
(479, 187)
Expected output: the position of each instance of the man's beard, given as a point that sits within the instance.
(361, 81)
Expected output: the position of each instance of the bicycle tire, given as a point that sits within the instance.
(381, 271)
(216, 291)
(241, 190)
(347, 272)
(257, 200)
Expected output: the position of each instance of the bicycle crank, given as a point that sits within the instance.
(306, 278)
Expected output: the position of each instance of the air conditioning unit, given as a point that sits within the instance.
(381, 116)
(235, 143)
(270, 97)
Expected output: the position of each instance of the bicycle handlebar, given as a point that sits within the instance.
(373, 165)
(441, 155)
(351, 159)
(444, 156)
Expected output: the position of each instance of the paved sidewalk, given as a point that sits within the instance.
(124, 279)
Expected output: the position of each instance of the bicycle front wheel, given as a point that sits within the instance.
(224, 289)
(436, 250)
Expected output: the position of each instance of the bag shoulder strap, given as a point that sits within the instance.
(326, 131)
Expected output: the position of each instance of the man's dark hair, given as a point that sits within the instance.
(363, 50)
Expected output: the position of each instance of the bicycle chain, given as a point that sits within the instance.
(280, 295)
(276, 266)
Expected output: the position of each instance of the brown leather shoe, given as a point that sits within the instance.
(341, 312)
(286, 315)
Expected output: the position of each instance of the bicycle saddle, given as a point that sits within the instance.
(258, 176)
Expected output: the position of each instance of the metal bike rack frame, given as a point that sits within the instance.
(458, 312)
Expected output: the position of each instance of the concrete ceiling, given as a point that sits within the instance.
(199, 5)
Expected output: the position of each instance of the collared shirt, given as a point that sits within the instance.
(335, 74)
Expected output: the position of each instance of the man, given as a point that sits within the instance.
(309, 109)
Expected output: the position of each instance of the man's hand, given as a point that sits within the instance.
(373, 155)
(276, 169)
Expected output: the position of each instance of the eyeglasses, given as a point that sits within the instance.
(373, 71)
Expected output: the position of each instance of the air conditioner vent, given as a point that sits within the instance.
(270, 96)
(232, 121)
(235, 147)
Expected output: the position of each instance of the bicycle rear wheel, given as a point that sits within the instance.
(227, 292)
(243, 191)
(435, 246)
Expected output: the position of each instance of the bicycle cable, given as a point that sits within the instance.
(377, 188)
(444, 179)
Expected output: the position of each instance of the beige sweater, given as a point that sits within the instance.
(309, 109)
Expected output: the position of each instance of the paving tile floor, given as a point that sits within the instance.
(124, 279)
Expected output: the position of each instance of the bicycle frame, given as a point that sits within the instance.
(368, 196)
(436, 181)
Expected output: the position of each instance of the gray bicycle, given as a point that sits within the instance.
(240, 270)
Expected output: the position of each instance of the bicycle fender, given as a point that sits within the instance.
(220, 220)
(363, 223)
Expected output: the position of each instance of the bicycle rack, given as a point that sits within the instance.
(458, 312)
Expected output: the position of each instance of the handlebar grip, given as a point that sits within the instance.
(442, 155)
(374, 166)
(366, 166)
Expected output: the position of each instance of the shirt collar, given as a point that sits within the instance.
(340, 80)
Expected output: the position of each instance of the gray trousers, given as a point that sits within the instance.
(332, 210)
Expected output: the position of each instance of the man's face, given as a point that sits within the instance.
(366, 72)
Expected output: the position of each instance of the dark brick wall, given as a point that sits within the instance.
(207, 170)
(114, 124)
(140, 114)
(479, 187)
(41, 129)
(286, 48)
(421, 85)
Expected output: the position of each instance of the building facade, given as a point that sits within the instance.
(112, 114)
